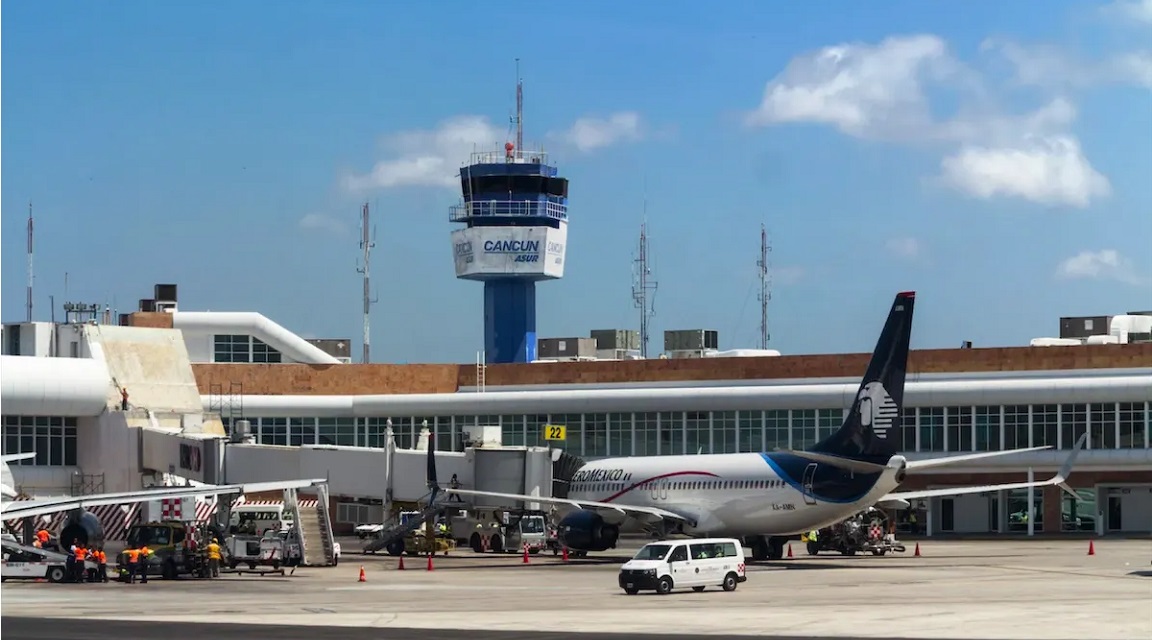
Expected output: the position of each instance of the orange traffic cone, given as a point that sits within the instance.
(1091, 548)
(917, 554)
(400, 567)
(430, 562)
(363, 578)
(525, 561)
(790, 550)
(564, 554)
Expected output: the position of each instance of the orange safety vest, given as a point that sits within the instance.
(99, 557)
(43, 536)
(81, 552)
(133, 555)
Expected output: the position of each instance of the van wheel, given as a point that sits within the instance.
(633, 591)
(664, 586)
(730, 582)
(56, 574)
(697, 589)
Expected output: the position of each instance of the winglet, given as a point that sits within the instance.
(1066, 470)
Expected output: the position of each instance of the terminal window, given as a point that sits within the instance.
(52, 438)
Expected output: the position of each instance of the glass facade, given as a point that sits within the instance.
(52, 438)
(1122, 425)
(242, 349)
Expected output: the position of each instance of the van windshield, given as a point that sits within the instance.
(653, 552)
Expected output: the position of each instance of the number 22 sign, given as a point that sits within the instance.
(555, 432)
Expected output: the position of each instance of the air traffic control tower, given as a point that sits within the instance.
(515, 213)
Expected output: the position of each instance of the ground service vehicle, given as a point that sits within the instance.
(501, 531)
(862, 533)
(175, 549)
(21, 562)
(663, 566)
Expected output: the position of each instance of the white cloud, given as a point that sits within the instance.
(1139, 11)
(432, 158)
(1104, 264)
(1050, 171)
(882, 92)
(786, 276)
(588, 134)
(321, 222)
(904, 247)
(1053, 68)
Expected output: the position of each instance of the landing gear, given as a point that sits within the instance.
(766, 548)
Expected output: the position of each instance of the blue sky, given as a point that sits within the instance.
(994, 157)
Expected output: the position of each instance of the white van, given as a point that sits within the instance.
(663, 566)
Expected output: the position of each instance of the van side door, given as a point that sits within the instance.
(679, 566)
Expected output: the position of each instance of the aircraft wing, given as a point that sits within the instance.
(32, 508)
(581, 504)
(13, 457)
(938, 462)
(1060, 479)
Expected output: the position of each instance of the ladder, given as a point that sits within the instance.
(313, 529)
(481, 366)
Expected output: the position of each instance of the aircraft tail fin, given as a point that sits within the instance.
(871, 430)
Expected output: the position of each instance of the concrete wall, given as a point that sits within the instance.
(301, 379)
(151, 363)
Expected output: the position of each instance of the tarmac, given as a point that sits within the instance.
(985, 590)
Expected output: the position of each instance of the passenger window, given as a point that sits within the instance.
(729, 550)
(679, 554)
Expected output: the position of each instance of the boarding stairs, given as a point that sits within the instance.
(313, 529)
(401, 529)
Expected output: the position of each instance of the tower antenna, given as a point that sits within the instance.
(367, 242)
(765, 286)
(30, 278)
(519, 109)
(644, 284)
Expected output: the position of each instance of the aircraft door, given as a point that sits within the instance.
(809, 476)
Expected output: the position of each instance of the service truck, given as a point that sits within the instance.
(500, 530)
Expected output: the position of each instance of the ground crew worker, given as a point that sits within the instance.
(145, 555)
(81, 566)
(123, 399)
(101, 566)
(132, 556)
(42, 538)
(70, 563)
(214, 558)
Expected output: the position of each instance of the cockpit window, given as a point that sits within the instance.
(653, 552)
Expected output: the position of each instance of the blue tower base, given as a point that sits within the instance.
(509, 321)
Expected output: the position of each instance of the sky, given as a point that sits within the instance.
(994, 157)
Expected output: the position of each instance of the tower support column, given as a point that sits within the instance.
(510, 320)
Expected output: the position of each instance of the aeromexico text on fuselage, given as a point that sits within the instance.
(602, 475)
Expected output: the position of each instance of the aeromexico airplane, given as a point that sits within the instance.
(84, 525)
(766, 498)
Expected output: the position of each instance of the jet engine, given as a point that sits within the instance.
(584, 530)
(82, 527)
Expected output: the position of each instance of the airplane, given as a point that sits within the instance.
(83, 525)
(764, 498)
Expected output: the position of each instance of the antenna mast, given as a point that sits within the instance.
(765, 286)
(519, 109)
(644, 285)
(29, 261)
(367, 242)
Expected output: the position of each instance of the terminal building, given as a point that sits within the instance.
(202, 375)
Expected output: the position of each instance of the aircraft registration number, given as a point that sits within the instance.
(783, 506)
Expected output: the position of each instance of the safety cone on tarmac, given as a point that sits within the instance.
(1091, 548)
(363, 578)
(790, 550)
(564, 554)
(525, 561)
(400, 567)
(430, 562)
(917, 554)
